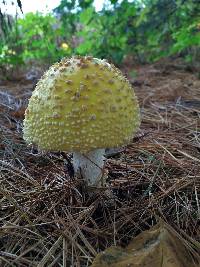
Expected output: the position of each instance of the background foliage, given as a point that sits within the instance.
(146, 30)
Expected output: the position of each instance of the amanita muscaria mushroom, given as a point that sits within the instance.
(82, 105)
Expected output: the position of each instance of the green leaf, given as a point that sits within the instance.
(87, 15)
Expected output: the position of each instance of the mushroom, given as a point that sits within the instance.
(82, 105)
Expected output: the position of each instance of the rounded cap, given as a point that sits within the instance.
(81, 104)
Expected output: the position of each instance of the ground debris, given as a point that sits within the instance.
(46, 217)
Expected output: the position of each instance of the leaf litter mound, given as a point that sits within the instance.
(46, 216)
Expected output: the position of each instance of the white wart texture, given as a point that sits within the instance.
(81, 104)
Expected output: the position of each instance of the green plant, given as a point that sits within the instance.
(166, 28)
(36, 37)
(147, 30)
(40, 38)
(106, 34)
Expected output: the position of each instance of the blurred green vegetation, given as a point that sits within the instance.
(146, 30)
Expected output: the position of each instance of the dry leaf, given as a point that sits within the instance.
(160, 246)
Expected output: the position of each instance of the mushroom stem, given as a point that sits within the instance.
(90, 167)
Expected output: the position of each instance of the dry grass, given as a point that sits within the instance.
(47, 218)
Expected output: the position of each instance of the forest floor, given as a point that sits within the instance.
(44, 210)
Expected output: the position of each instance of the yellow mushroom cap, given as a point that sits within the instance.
(81, 104)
